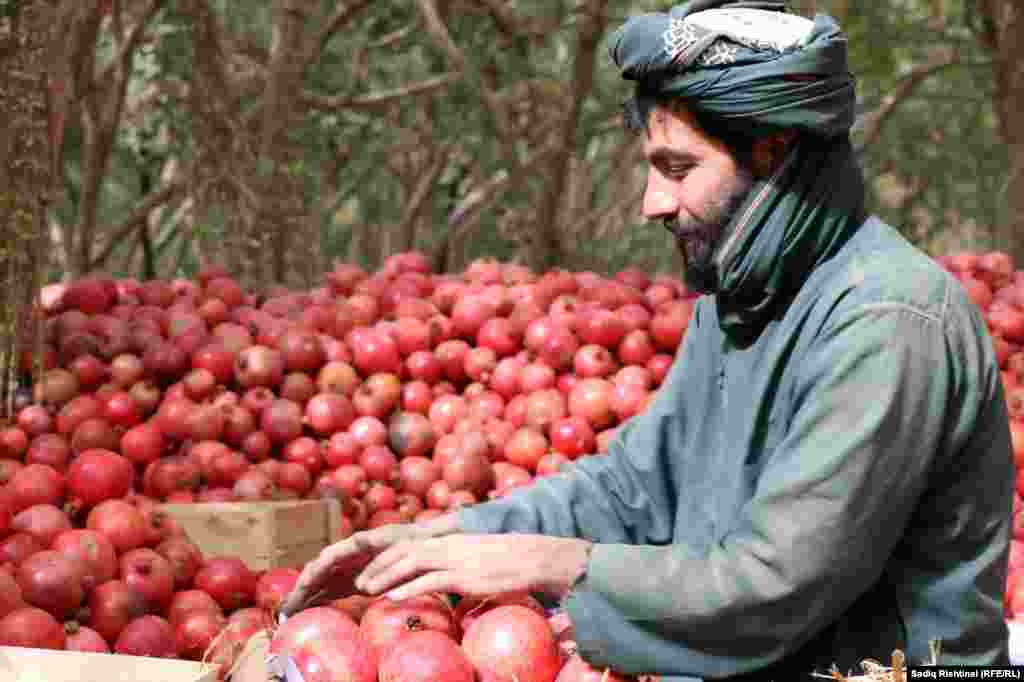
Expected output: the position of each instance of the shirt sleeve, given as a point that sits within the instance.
(831, 503)
(624, 496)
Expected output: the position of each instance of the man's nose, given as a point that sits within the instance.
(658, 201)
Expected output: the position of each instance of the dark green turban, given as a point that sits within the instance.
(748, 65)
(751, 68)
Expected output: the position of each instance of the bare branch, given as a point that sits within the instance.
(469, 210)
(590, 28)
(414, 206)
(342, 15)
(874, 121)
(390, 39)
(138, 215)
(251, 197)
(117, 15)
(601, 213)
(506, 21)
(376, 101)
(439, 33)
(127, 47)
(442, 38)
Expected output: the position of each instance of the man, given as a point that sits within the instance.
(826, 474)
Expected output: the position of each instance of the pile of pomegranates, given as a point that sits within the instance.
(402, 392)
(424, 639)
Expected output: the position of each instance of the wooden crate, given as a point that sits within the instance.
(262, 534)
(18, 664)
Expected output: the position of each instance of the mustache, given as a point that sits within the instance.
(684, 230)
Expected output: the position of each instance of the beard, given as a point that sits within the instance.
(700, 239)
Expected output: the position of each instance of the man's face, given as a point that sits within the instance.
(695, 187)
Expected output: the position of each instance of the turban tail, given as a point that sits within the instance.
(755, 70)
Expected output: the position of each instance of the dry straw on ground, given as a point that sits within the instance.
(873, 671)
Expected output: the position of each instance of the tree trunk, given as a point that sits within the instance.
(548, 248)
(25, 160)
(278, 215)
(1002, 32)
(219, 146)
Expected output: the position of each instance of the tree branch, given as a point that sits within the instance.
(414, 206)
(138, 215)
(506, 21)
(375, 101)
(341, 16)
(395, 36)
(127, 47)
(438, 31)
(465, 215)
(588, 35)
(873, 121)
(599, 214)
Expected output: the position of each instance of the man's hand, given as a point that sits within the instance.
(477, 565)
(332, 574)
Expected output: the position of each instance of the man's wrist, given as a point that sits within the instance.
(577, 558)
(447, 524)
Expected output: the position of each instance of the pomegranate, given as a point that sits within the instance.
(259, 366)
(469, 471)
(282, 421)
(10, 594)
(273, 586)
(254, 485)
(81, 638)
(329, 413)
(51, 449)
(147, 636)
(426, 656)
(411, 435)
(149, 574)
(32, 627)
(35, 484)
(17, 547)
(471, 608)
(196, 631)
(98, 475)
(92, 551)
(513, 642)
(375, 351)
(416, 474)
(142, 444)
(122, 523)
(326, 646)
(229, 581)
(187, 601)
(43, 521)
(53, 582)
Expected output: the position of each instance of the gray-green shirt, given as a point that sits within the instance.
(840, 487)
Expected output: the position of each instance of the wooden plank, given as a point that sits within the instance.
(20, 664)
(263, 534)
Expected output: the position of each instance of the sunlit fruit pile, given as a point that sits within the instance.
(994, 285)
(402, 393)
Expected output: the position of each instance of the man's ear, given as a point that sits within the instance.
(768, 152)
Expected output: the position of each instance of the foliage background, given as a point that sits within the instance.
(280, 136)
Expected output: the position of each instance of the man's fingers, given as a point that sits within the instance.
(435, 581)
(406, 567)
(313, 584)
(383, 562)
(333, 572)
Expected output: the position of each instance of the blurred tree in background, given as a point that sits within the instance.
(279, 136)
